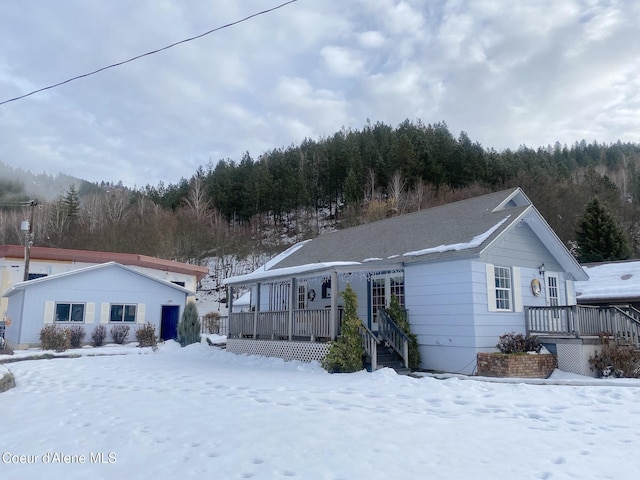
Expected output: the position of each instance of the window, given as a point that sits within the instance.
(69, 312)
(123, 313)
(503, 288)
(326, 288)
(553, 291)
(278, 297)
(33, 276)
(302, 296)
(397, 289)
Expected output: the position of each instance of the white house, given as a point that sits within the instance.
(463, 271)
(106, 294)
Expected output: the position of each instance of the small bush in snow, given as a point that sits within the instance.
(211, 322)
(615, 360)
(99, 335)
(518, 343)
(76, 335)
(119, 333)
(52, 337)
(146, 336)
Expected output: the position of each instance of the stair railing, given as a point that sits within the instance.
(393, 335)
(370, 345)
(626, 325)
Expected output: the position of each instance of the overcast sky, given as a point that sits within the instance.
(508, 73)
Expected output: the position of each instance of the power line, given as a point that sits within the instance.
(149, 53)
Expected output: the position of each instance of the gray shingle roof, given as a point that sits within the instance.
(450, 224)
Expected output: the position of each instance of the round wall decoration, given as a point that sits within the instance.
(536, 287)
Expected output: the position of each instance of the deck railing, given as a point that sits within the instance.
(370, 345)
(622, 323)
(396, 338)
(218, 324)
(313, 325)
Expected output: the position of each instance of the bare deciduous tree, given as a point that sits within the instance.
(198, 200)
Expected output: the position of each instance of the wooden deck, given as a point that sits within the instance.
(620, 323)
(309, 325)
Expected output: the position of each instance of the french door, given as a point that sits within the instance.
(382, 288)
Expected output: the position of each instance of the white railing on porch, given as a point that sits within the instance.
(370, 345)
(623, 323)
(313, 325)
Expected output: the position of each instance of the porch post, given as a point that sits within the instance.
(293, 296)
(256, 311)
(229, 299)
(334, 305)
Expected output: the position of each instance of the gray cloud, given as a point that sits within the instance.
(508, 73)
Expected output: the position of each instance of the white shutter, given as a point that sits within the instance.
(140, 311)
(491, 288)
(90, 313)
(105, 311)
(571, 296)
(517, 289)
(49, 308)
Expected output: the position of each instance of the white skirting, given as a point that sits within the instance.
(303, 351)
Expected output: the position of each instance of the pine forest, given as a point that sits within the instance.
(249, 206)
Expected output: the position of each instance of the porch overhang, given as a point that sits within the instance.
(280, 274)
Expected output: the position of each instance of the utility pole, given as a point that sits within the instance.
(28, 238)
(26, 226)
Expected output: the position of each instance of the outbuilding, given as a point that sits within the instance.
(106, 294)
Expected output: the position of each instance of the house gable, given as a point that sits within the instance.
(93, 272)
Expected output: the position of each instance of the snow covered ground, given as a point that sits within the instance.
(201, 412)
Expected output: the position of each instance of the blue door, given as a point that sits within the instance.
(169, 324)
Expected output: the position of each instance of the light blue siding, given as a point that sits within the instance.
(105, 285)
(448, 302)
(520, 246)
(441, 306)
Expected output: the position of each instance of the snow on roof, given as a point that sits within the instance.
(101, 266)
(475, 242)
(243, 300)
(616, 280)
(281, 256)
(287, 271)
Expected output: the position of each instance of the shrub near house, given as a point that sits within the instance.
(518, 356)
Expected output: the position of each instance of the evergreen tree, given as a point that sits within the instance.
(600, 237)
(72, 203)
(399, 317)
(346, 353)
(189, 327)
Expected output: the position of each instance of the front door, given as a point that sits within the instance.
(169, 322)
(553, 300)
(383, 287)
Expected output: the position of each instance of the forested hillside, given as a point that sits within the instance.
(288, 194)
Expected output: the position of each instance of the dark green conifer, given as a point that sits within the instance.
(600, 237)
(346, 353)
(189, 327)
